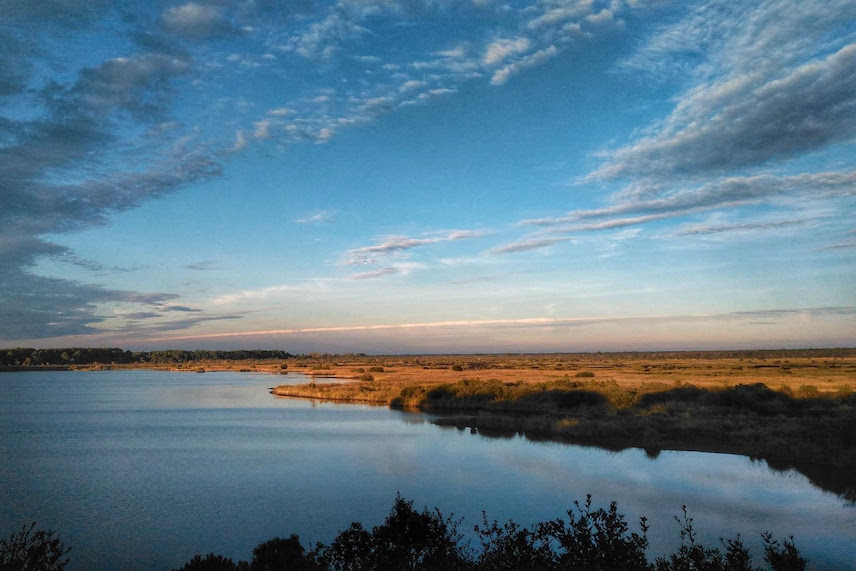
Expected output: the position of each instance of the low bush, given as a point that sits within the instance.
(588, 538)
(29, 550)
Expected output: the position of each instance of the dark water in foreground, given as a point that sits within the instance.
(144, 469)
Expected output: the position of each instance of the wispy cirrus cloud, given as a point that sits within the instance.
(204, 265)
(746, 105)
(743, 227)
(530, 322)
(747, 120)
(528, 245)
(319, 217)
(387, 246)
(400, 268)
(723, 192)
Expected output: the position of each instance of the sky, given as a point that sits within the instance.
(428, 176)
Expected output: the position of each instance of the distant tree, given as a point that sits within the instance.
(280, 554)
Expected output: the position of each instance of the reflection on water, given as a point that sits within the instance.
(143, 469)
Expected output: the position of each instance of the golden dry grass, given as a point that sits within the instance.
(796, 373)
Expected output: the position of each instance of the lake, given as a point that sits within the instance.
(144, 469)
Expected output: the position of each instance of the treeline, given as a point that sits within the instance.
(588, 539)
(28, 357)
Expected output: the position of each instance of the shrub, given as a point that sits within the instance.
(376, 369)
(584, 375)
(457, 368)
(33, 551)
(367, 377)
(407, 539)
(597, 539)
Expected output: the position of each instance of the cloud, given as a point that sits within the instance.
(136, 316)
(196, 21)
(322, 38)
(748, 121)
(72, 160)
(35, 307)
(502, 49)
(528, 245)
(320, 217)
(562, 13)
(139, 84)
(528, 322)
(182, 308)
(375, 273)
(392, 245)
(842, 246)
(704, 229)
(203, 265)
(178, 324)
(262, 130)
(503, 75)
(241, 142)
(730, 191)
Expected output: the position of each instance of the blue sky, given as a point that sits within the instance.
(393, 176)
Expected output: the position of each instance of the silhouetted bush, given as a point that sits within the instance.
(29, 550)
(407, 539)
(588, 539)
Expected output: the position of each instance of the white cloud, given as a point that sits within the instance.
(395, 245)
(262, 130)
(747, 120)
(502, 75)
(322, 216)
(562, 13)
(195, 21)
(240, 142)
(528, 245)
(725, 192)
(500, 50)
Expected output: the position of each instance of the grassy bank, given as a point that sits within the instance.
(784, 420)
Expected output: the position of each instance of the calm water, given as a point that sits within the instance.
(144, 469)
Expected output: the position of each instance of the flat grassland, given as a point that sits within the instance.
(794, 409)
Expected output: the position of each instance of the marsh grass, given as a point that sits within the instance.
(798, 427)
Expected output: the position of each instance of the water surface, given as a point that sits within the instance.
(144, 469)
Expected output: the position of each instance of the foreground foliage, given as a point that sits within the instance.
(29, 550)
(588, 539)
